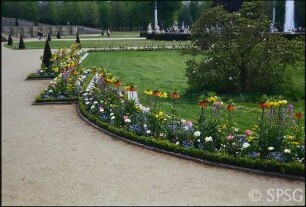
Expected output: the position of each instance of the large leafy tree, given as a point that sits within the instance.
(47, 12)
(239, 55)
(168, 12)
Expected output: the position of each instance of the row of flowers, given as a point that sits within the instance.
(277, 135)
(62, 60)
(67, 85)
(142, 47)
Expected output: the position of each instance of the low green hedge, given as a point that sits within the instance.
(296, 169)
(38, 76)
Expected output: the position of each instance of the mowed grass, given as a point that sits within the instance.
(165, 70)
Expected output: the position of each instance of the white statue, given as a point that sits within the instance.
(157, 29)
(149, 29)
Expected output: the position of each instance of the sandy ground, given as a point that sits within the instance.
(51, 157)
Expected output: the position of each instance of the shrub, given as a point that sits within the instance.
(58, 35)
(240, 56)
(21, 43)
(47, 55)
(10, 40)
(78, 39)
(49, 37)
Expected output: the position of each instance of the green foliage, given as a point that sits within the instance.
(240, 56)
(10, 40)
(21, 42)
(47, 56)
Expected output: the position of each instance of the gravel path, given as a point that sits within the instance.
(52, 157)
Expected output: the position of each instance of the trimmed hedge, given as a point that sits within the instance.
(168, 37)
(35, 76)
(296, 169)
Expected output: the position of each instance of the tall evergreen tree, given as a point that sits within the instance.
(49, 36)
(10, 40)
(78, 39)
(47, 55)
(21, 43)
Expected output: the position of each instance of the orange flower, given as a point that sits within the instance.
(263, 105)
(299, 115)
(156, 93)
(132, 88)
(230, 107)
(202, 103)
(117, 84)
(175, 95)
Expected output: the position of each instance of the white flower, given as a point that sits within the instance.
(41, 71)
(85, 94)
(198, 140)
(236, 129)
(87, 103)
(287, 151)
(183, 120)
(144, 125)
(50, 91)
(208, 139)
(176, 143)
(197, 133)
(127, 120)
(245, 145)
(95, 102)
(270, 148)
(92, 107)
(230, 78)
(111, 114)
(148, 131)
(113, 117)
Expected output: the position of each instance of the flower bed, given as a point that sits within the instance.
(66, 87)
(60, 60)
(275, 143)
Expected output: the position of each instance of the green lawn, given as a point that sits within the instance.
(165, 70)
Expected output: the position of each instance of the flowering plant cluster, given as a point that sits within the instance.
(213, 131)
(145, 47)
(62, 60)
(67, 85)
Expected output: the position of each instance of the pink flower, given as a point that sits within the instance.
(125, 117)
(248, 132)
(230, 137)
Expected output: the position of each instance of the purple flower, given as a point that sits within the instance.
(65, 74)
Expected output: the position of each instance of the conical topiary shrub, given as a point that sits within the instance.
(47, 56)
(49, 37)
(21, 43)
(58, 35)
(78, 39)
(10, 40)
